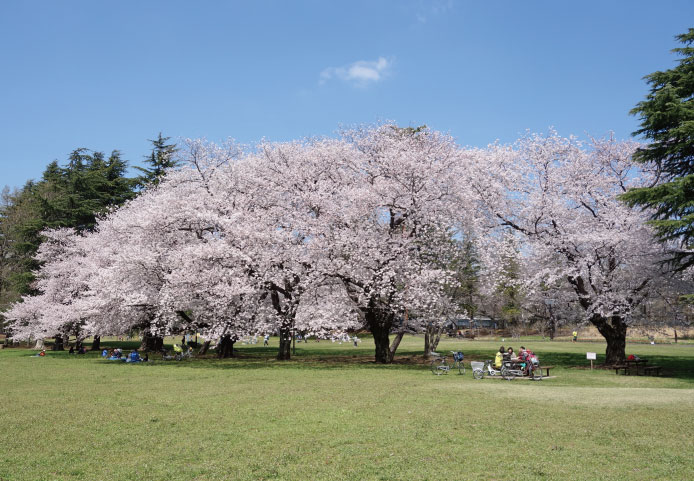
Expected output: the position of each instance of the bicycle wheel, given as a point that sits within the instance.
(435, 366)
(507, 373)
(478, 374)
(536, 373)
(461, 367)
(440, 366)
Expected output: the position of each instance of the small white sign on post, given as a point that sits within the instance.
(592, 357)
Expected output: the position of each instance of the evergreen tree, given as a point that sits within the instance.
(667, 119)
(466, 266)
(509, 295)
(161, 159)
(71, 196)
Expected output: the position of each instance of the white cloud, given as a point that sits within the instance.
(432, 8)
(360, 73)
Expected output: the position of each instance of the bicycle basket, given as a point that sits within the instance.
(477, 365)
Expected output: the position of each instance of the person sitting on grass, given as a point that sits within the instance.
(510, 355)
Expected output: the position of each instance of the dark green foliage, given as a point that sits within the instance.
(667, 119)
(88, 186)
(71, 196)
(465, 264)
(508, 297)
(161, 159)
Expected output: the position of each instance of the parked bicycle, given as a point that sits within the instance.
(481, 369)
(509, 370)
(443, 364)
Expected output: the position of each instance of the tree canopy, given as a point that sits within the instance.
(667, 120)
(72, 196)
(328, 235)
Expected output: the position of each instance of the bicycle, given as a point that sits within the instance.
(481, 369)
(441, 365)
(510, 371)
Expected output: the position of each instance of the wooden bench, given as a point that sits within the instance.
(651, 370)
(546, 369)
(618, 367)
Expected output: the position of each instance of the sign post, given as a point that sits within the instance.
(592, 357)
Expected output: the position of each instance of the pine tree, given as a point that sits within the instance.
(667, 119)
(160, 160)
(71, 196)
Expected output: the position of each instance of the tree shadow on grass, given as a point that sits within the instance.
(312, 356)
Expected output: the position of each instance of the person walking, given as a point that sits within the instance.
(575, 336)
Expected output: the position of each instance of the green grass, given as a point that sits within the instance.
(331, 414)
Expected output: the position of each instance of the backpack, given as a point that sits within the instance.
(458, 356)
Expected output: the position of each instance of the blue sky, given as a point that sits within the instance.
(110, 75)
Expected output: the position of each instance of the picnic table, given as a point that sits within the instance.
(638, 366)
(516, 364)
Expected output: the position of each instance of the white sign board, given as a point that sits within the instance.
(590, 355)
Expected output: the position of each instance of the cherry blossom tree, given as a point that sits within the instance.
(388, 220)
(558, 198)
(63, 278)
(330, 235)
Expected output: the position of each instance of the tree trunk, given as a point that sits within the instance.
(58, 344)
(96, 343)
(394, 345)
(225, 348)
(205, 347)
(552, 328)
(40, 345)
(614, 330)
(380, 326)
(432, 337)
(284, 353)
(151, 343)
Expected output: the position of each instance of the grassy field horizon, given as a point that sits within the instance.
(331, 413)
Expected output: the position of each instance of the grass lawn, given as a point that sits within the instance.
(331, 414)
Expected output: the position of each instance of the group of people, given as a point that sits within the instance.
(112, 354)
(524, 357)
(117, 355)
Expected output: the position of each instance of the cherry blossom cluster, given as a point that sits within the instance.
(327, 235)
